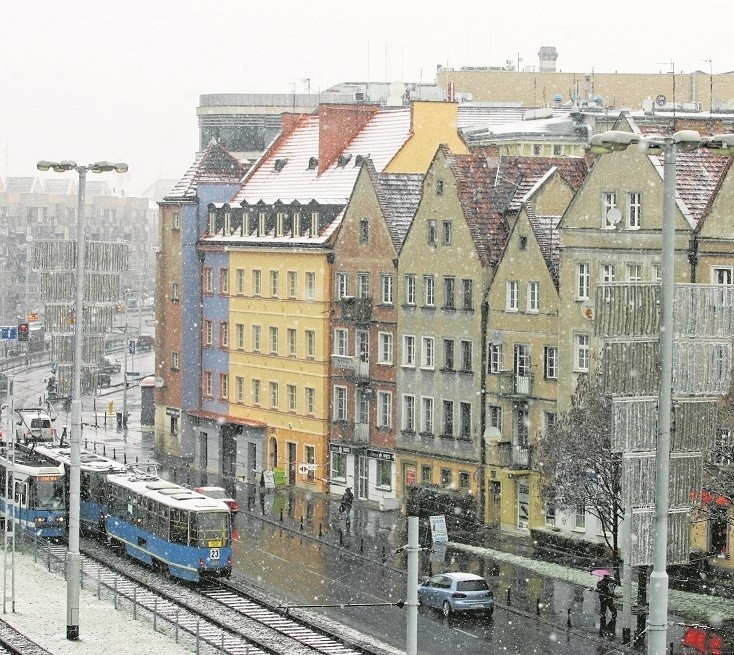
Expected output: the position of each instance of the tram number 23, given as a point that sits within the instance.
(214, 553)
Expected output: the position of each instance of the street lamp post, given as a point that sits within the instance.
(73, 564)
(685, 140)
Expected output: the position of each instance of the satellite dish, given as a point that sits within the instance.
(614, 216)
(159, 382)
(492, 433)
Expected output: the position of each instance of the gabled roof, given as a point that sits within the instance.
(547, 234)
(398, 195)
(573, 170)
(59, 186)
(289, 171)
(484, 196)
(213, 165)
(22, 185)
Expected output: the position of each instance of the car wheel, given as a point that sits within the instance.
(446, 609)
(490, 613)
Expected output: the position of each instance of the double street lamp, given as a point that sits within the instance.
(73, 564)
(685, 141)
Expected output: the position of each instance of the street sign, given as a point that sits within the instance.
(439, 533)
(159, 382)
(9, 332)
(131, 346)
(133, 374)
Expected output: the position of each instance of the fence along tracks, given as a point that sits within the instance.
(216, 619)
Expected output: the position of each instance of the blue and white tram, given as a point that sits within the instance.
(93, 472)
(36, 487)
(175, 529)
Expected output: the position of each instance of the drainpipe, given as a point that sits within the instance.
(483, 411)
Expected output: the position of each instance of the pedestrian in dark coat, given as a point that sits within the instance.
(346, 504)
(605, 587)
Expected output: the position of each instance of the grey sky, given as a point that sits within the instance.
(95, 79)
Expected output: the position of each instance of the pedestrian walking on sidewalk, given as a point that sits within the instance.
(605, 587)
(346, 505)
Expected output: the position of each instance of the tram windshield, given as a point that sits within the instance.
(211, 529)
(48, 492)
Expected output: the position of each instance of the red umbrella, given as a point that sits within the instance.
(601, 572)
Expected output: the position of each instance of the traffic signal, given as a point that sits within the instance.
(23, 331)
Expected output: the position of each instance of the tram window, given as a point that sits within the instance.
(2, 481)
(47, 494)
(179, 527)
(20, 494)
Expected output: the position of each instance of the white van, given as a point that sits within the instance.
(34, 424)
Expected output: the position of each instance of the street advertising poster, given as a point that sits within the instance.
(279, 477)
(439, 533)
(269, 479)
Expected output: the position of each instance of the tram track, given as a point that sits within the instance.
(223, 617)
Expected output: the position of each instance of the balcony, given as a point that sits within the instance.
(356, 310)
(508, 455)
(361, 369)
(515, 384)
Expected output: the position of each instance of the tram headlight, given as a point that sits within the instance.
(39, 520)
(60, 519)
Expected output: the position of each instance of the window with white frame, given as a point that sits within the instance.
(310, 400)
(428, 352)
(448, 418)
(340, 403)
(256, 391)
(550, 356)
(274, 340)
(275, 284)
(341, 342)
(175, 296)
(383, 474)
(338, 466)
(208, 332)
(607, 275)
(446, 225)
(522, 359)
(522, 425)
(342, 285)
(239, 277)
(634, 272)
(549, 421)
(449, 293)
(386, 287)
(292, 284)
(362, 345)
(634, 210)
(512, 294)
(409, 289)
(310, 343)
(291, 392)
(408, 350)
(429, 291)
(580, 518)
(274, 395)
(224, 334)
(257, 282)
(279, 224)
(297, 224)
(384, 409)
(208, 384)
(362, 408)
(314, 224)
(176, 221)
(261, 224)
(408, 413)
(496, 358)
(223, 386)
(310, 286)
(239, 388)
(208, 277)
(363, 285)
(656, 272)
(608, 202)
(174, 360)
(239, 336)
(224, 281)
(310, 458)
(384, 340)
(583, 281)
(212, 222)
(533, 299)
(721, 275)
(427, 415)
(494, 416)
(256, 338)
(292, 342)
(581, 352)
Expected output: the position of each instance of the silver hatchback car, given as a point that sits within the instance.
(457, 592)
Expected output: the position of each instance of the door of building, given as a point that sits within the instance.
(292, 463)
(363, 468)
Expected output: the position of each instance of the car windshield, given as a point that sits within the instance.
(215, 493)
(472, 585)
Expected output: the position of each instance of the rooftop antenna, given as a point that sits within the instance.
(711, 87)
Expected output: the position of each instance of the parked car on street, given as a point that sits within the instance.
(457, 592)
(109, 366)
(220, 493)
(145, 342)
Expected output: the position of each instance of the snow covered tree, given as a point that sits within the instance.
(578, 467)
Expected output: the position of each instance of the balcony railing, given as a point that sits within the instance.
(361, 369)
(515, 384)
(508, 455)
(362, 432)
(357, 310)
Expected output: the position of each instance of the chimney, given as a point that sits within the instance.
(338, 125)
(547, 56)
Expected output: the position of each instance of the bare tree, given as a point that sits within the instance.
(579, 469)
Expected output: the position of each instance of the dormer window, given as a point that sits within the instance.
(227, 223)
(343, 161)
(212, 227)
(314, 224)
(261, 224)
(359, 159)
(279, 165)
(523, 243)
(297, 224)
(279, 224)
(313, 163)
